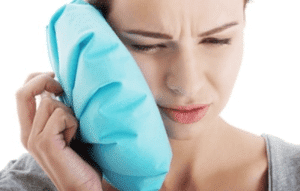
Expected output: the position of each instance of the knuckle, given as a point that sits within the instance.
(46, 77)
(57, 107)
(61, 114)
(43, 78)
(60, 111)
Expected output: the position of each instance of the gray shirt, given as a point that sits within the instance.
(284, 164)
(284, 170)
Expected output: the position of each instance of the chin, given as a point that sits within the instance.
(179, 131)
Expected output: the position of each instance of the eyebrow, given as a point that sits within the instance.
(166, 36)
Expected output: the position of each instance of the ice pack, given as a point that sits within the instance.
(110, 97)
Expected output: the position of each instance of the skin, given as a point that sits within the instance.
(46, 133)
(207, 155)
(185, 71)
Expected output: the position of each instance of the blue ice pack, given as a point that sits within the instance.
(108, 93)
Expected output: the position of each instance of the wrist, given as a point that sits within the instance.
(69, 172)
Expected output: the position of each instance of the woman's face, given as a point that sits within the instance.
(185, 65)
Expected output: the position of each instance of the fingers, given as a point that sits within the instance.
(47, 94)
(58, 130)
(66, 125)
(26, 103)
(36, 83)
(32, 75)
(45, 110)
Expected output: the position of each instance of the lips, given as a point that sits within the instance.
(186, 108)
(186, 114)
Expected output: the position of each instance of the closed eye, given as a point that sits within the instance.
(216, 41)
(155, 47)
(146, 48)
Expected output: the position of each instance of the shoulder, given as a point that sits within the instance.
(277, 146)
(284, 163)
(253, 162)
(24, 173)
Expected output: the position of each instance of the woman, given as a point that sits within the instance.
(190, 53)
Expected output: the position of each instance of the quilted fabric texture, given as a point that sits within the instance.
(108, 93)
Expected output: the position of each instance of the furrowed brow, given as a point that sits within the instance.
(219, 29)
(167, 36)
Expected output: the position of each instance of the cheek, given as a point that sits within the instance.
(150, 70)
(227, 71)
(225, 61)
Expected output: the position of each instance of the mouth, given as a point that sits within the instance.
(190, 115)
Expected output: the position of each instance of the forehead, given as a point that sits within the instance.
(166, 15)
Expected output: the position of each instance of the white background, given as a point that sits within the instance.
(266, 97)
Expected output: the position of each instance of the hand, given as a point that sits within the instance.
(47, 133)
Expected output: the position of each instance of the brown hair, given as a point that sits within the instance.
(104, 6)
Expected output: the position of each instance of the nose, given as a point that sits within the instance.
(186, 76)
